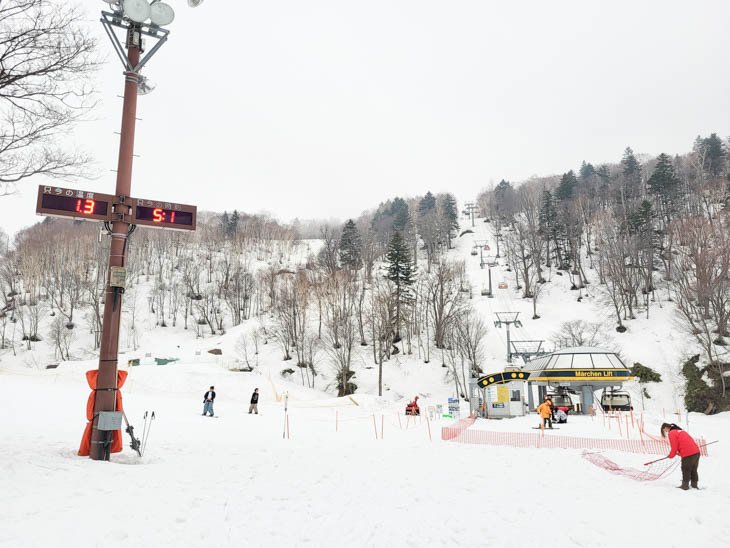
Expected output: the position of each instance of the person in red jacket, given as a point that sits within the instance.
(682, 444)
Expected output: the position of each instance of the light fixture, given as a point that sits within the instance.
(136, 10)
(194, 3)
(144, 85)
(161, 14)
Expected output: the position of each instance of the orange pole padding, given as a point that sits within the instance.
(117, 445)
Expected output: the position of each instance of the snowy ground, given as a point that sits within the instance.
(233, 481)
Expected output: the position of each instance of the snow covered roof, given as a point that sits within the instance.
(578, 357)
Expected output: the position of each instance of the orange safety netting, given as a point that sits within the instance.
(116, 446)
(652, 472)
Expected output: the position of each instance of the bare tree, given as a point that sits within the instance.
(46, 60)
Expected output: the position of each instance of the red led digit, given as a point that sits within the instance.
(172, 217)
(158, 215)
(89, 207)
(78, 206)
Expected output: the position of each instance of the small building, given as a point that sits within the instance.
(499, 395)
(581, 369)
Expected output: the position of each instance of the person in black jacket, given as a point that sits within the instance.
(208, 398)
(254, 407)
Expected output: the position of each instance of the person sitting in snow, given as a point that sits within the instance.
(208, 398)
(412, 407)
(561, 415)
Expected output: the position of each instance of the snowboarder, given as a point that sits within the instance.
(254, 402)
(546, 412)
(208, 398)
(682, 444)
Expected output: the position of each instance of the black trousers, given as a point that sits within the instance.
(689, 470)
(547, 421)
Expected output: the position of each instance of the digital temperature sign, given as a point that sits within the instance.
(164, 214)
(67, 202)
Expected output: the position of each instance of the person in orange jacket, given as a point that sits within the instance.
(682, 444)
(545, 409)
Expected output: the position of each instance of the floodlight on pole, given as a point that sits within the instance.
(129, 17)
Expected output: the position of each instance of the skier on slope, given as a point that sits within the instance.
(682, 444)
(208, 398)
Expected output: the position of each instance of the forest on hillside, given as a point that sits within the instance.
(651, 228)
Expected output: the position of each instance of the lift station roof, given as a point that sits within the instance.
(579, 365)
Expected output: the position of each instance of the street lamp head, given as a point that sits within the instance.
(161, 14)
(136, 10)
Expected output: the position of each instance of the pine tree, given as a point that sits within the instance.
(399, 212)
(351, 246)
(450, 217)
(401, 271)
(567, 187)
(233, 225)
(713, 154)
(427, 204)
(665, 184)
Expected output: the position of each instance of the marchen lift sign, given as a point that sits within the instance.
(68, 202)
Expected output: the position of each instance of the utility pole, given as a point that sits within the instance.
(507, 318)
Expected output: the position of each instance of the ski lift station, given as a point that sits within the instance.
(580, 371)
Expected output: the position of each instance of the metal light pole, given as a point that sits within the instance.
(106, 387)
(130, 17)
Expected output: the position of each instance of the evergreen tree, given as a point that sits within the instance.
(450, 217)
(713, 154)
(401, 271)
(630, 166)
(233, 225)
(504, 200)
(567, 187)
(400, 214)
(350, 246)
(665, 184)
(587, 171)
(427, 204)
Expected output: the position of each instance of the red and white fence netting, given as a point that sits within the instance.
(460, 432)
(652, 472)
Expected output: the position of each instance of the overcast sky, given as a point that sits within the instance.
(325, 108)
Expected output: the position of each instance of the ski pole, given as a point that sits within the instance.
(144, 425)
(147, 437)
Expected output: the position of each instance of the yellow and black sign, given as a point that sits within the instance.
(501, 378)
(590, 376)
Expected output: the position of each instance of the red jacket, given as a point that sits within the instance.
(680, 442)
